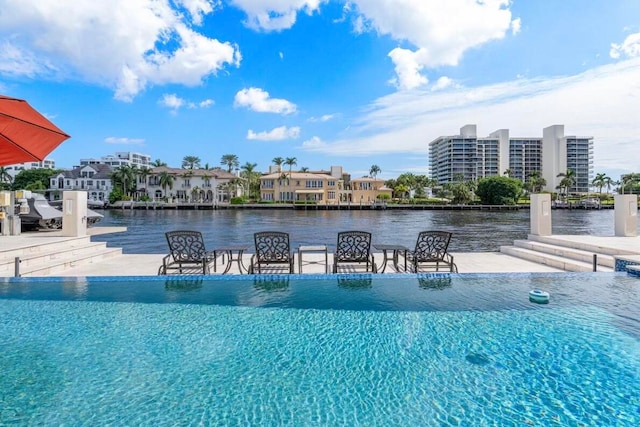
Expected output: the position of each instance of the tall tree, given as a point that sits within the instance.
(143, 174)
(278, 161)
(191, 162)
(5, 176)
(166, 180)
(230, 161)
(250, 175)
(157, 163)
(291, 161)
(567, 181)
(374, 171)
(535, 182)
(599, 181)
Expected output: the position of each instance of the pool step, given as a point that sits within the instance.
(55, 257)
(557, 261)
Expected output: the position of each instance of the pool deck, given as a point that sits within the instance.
(147, 264)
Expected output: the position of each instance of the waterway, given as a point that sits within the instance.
(473, 231)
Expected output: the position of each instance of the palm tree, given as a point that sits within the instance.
(125, 176)
(157, 163)
(291, 161)
(508, 173)
(5, 176)
(230, 161)
(278, 161)
(608, 182)
(535, 182)
(191, 162)
(143, 173)
(600, 181)
(250, 175)
(567, 181)
(304, 169)
(374, 171)
(166, 180)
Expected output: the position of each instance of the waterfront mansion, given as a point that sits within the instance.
(321, 187)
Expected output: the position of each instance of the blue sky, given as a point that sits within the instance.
(351, 83)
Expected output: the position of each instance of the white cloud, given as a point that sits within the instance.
(258, 100)
(126, 45)
(198, 8)
(516, 26)
(630, 47)
(123, 141)
(313, 144)
(439, 30)
(604, 104)
(442, 83)
(174, 102)
(275, 15)
(277, 134)
(407, 67)
(323, 118)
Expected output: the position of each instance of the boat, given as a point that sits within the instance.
(44, 215)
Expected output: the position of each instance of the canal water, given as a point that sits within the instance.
(473, 231)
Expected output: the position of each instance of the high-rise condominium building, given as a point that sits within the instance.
(14, 170)
(468, 157)
(122, 158)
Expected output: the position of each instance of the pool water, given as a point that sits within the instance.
(327, 350)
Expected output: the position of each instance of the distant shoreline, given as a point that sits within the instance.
(353, 206)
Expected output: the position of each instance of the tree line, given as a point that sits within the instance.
(490, 190)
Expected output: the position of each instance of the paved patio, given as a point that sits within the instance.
(467, 262)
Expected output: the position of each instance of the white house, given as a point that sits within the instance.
(95, 179)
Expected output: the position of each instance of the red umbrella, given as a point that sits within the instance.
(25, 134)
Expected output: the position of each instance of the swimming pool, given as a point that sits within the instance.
(321, 350)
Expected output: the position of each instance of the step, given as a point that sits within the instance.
(567, 252)
(56, 266)
(42, 246)
(31, 260)
(584, 246)
(551, 260)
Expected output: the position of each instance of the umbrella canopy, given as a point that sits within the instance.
(25, 134)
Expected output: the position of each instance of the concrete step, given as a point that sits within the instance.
(551, 260)
(58, 265)
(40, 246)
(583, 246)
(567, 252)
(32, 260)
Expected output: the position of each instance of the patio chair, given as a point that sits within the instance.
(354, 247)
(187, 253)
(431, 251)
(273, 253)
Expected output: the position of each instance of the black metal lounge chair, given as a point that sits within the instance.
(431, 251)
(354, 247)
(273, 253)
(187, 253)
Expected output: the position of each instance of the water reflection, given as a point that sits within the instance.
(271, 283)
(183, 285)
(354, 282)
(434, 282)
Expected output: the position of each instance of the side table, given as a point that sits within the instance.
(317, 249)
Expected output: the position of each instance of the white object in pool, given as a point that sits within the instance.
(539, 296)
